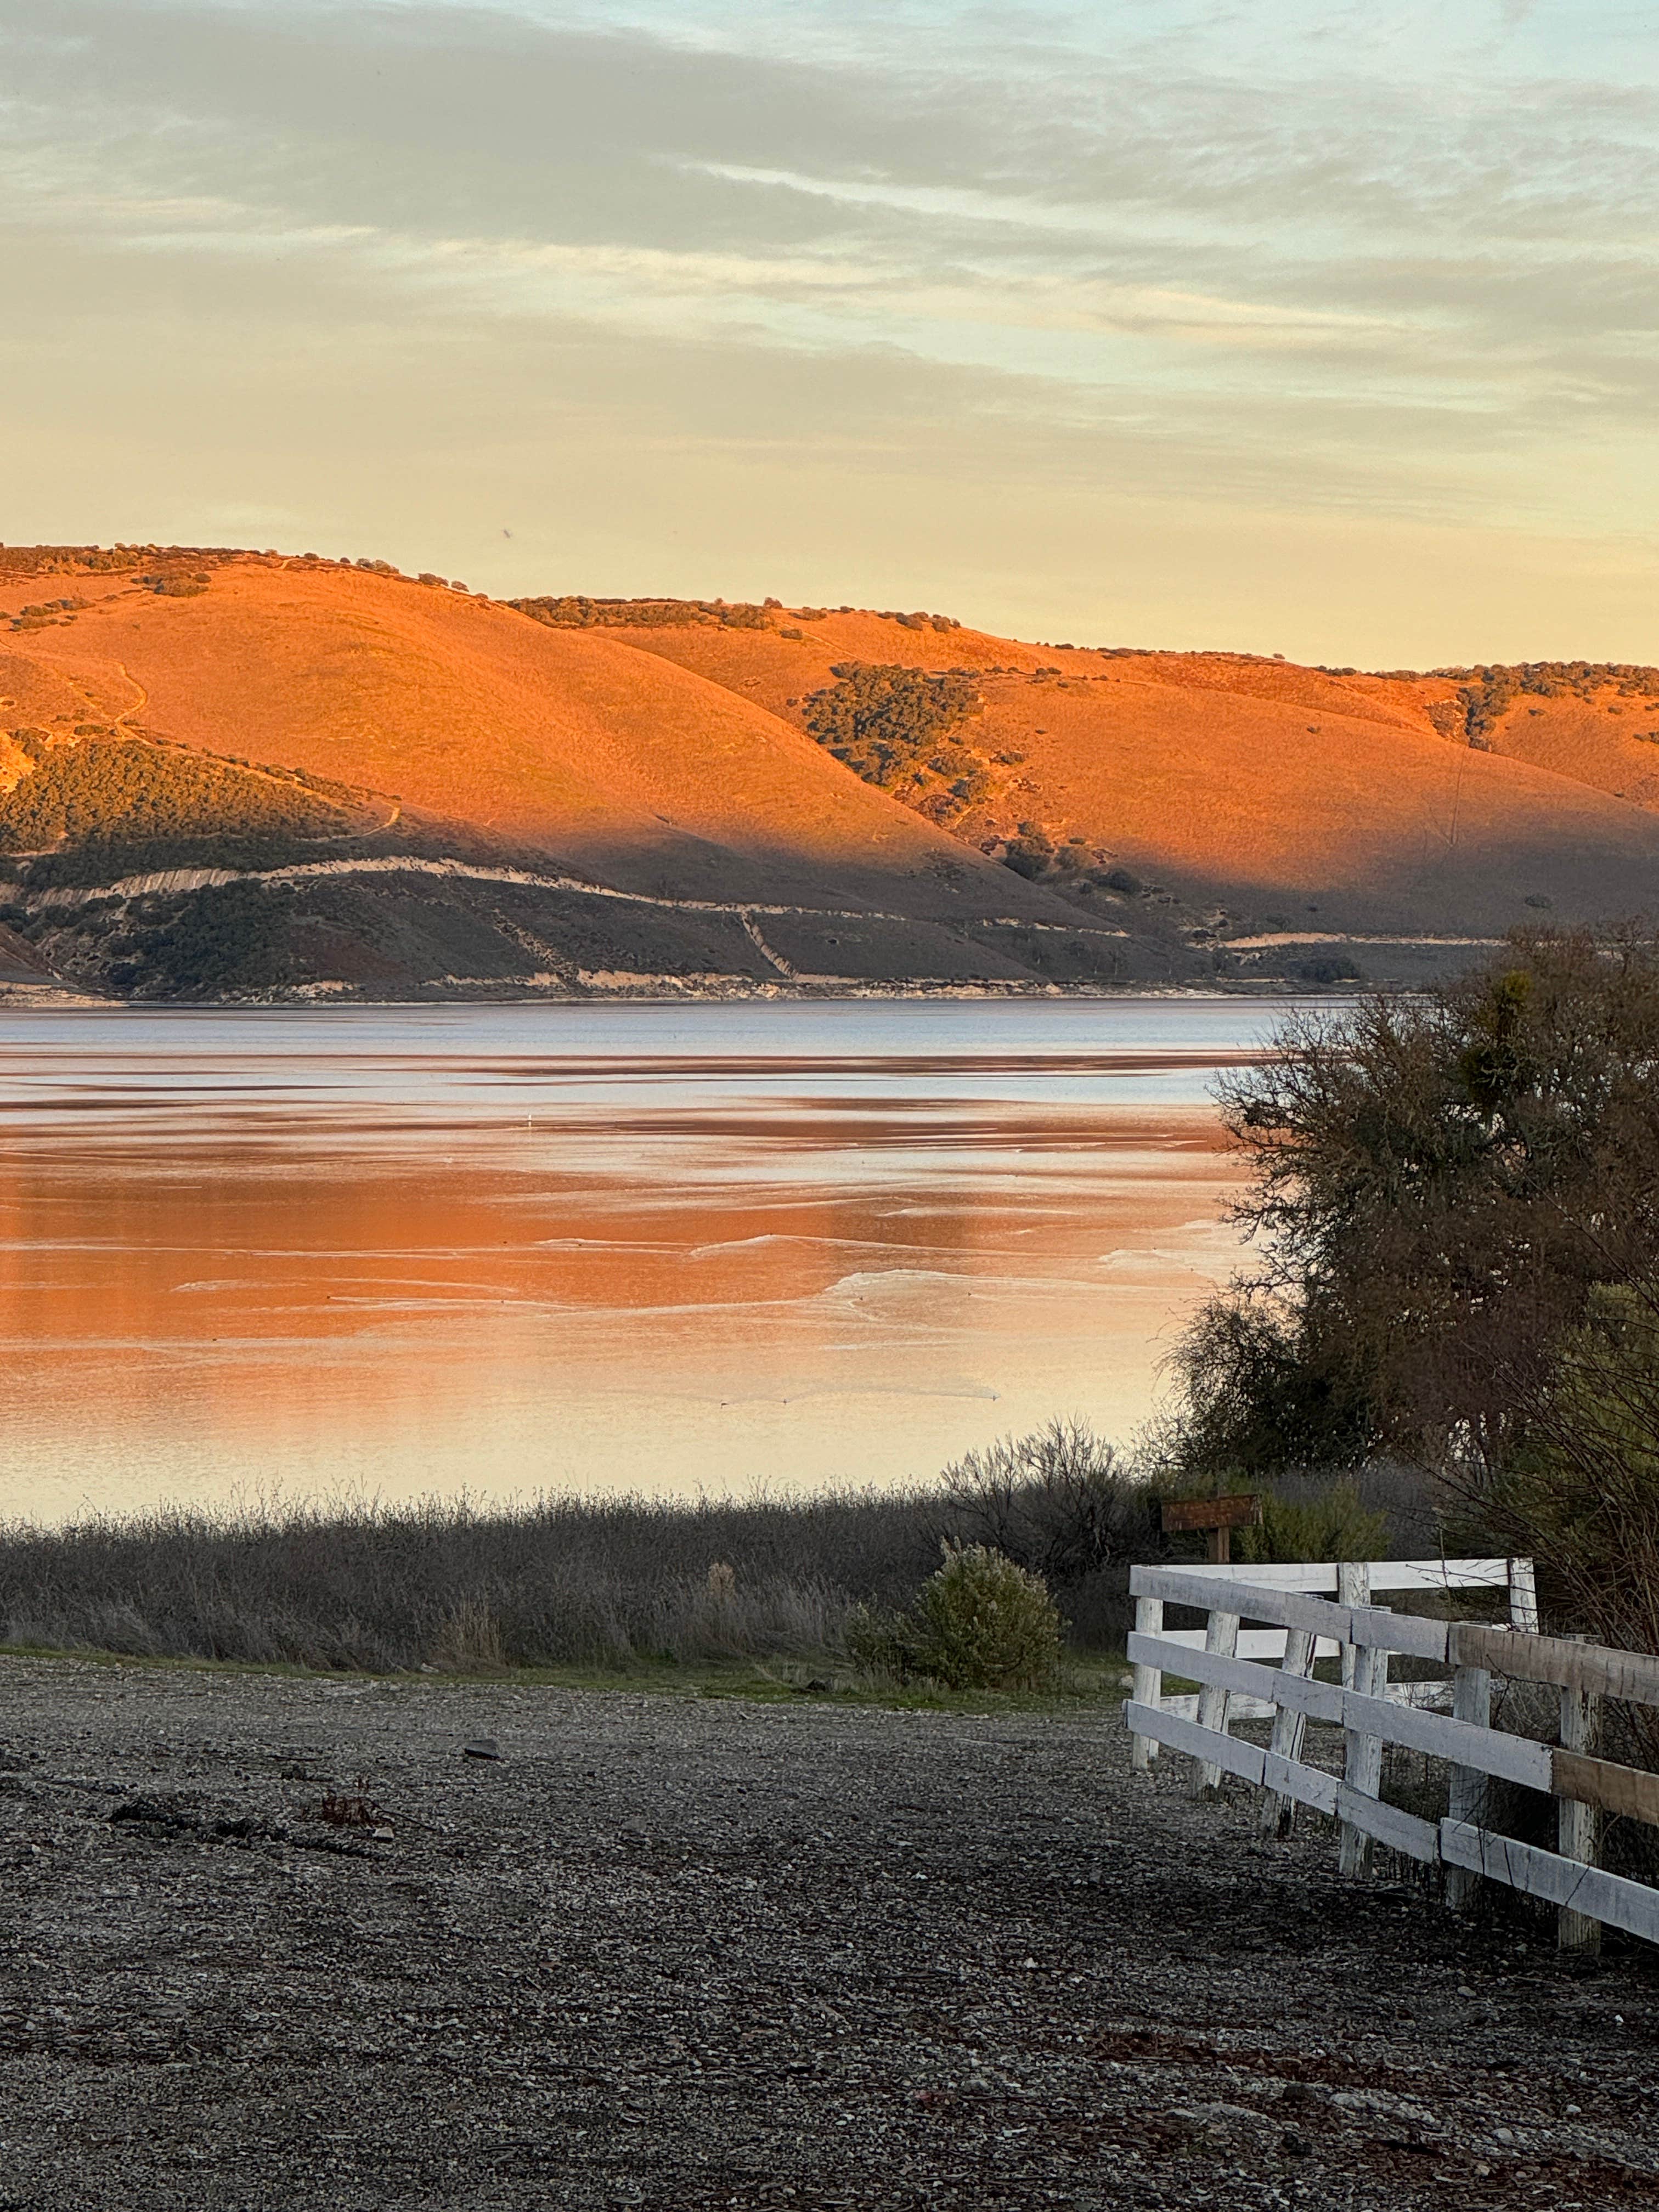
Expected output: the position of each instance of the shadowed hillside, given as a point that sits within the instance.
(1271, 799)
(234, 774)
(434, 792)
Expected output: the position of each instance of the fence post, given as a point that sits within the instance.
(1471, 1702)
(1362, 1760)
(1221, 1637)
(1275, 1813)
(1523, 1595)
(1149, 1680)
(1353, 1586)
(1575, 1824)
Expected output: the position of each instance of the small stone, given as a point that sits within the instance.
(484, 1746)
(1293, 2144)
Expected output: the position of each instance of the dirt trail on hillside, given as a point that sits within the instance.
(689, 1953)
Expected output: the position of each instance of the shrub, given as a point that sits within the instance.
(575, 610)
(1058, 1502)
(980, 1623)
(1332, 1524)
(1028, 856)
(120, 791)
(883, 720)
(1582, 1492)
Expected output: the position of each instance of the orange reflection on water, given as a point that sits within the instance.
(211, 1289)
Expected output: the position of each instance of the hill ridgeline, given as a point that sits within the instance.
(229, 775)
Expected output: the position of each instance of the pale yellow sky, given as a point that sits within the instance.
(1320, 329)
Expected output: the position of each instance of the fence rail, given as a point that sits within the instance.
(1306, 1623)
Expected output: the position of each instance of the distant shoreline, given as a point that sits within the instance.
(42, 998)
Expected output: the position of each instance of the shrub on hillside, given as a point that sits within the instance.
(883, 720)
(229, 936)
(1488, 693)
(575, 610)
(1030, 854)
(124, 791)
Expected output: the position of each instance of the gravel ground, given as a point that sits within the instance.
(688, 1953)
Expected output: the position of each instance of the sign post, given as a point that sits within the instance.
(1217, 1517)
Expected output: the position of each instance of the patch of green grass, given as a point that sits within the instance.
(1091, 1679)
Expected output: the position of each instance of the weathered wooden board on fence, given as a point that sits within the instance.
(1232, 1753)
(1628, 1793)
(1591, 1669)
(1609, 1898)
(1253, 1643)
(1371, 1624)
(1318, 1578)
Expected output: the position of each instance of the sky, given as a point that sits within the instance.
(1265, 325)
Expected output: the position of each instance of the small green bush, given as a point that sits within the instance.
(980, 1623)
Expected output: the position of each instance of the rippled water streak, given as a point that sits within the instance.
(406, 1250)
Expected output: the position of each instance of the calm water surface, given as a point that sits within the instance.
(398, 1251)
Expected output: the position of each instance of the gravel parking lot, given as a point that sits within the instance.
(692, 1953)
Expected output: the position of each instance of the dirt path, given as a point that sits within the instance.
(692, 1954)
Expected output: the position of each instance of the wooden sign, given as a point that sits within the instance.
(1217, 1517)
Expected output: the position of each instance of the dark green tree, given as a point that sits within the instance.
(1437, 1186)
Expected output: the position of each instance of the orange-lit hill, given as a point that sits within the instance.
(227, 772)
(1279, 798)
(564, 742)
(463, 730)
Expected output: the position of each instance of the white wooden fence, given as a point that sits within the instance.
(1327, 1611)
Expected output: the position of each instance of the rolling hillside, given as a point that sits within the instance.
(1274, 801)
(232, 773)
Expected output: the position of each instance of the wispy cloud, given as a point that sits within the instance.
(1397, 256)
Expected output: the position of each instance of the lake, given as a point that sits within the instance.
(387, 1252)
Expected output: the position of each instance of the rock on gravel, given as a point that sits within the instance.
(271, 1945)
